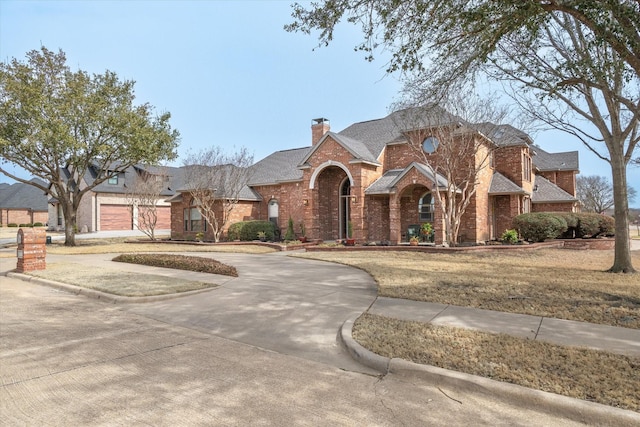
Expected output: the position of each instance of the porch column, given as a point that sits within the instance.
(312, 209)
(395, 233)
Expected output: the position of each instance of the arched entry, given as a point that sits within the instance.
(333, 189)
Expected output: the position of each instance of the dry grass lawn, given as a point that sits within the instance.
(591, 375)
(556, 283)
(117, 282)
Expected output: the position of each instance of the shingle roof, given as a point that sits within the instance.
(358, 149)
(386, 183)
(383, 184)
(545, 192)
(503, 135)
(500, 184)
(127, 179)
(376, 134)
(281, 166)
(24, 196)
(554, 161)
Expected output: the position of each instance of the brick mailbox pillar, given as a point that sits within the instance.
(32, 249)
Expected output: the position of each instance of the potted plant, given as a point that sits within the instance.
(413, 241)
(199, 236)
(426, 230)
(262, 236)
(350, 240)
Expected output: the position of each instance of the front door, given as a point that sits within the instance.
(345, 213)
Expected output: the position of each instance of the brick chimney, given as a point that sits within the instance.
(318, 129)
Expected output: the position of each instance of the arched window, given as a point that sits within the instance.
(193, 220)
(273, 211)
(426, 207)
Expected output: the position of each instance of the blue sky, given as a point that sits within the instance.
(227, 71)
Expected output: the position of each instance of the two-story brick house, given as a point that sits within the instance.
(368, 178)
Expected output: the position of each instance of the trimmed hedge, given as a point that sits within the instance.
(248, 230)
(567, 225)
(539, 226)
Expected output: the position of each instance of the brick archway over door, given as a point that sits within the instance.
(328, 187)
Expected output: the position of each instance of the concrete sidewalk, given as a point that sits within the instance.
(558, 331)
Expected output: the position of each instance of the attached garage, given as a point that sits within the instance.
(115, 217)
(164, 217)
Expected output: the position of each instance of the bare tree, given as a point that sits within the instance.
(451, 146)
(596, 193)
(143, 196)
(215, 180)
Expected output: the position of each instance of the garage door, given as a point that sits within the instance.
(164, 217)
(115, 217)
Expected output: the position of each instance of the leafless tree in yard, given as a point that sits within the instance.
(447, 140)
(144, 195)
(215, 181)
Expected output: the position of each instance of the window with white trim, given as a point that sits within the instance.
(426, 207)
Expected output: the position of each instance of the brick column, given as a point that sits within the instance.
(32, 250)
(395, 232)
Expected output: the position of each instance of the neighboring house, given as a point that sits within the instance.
(108, 206)
(367, 177)
(22, 204)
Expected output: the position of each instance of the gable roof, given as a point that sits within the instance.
(547, 192)
(500, 184)
(544, 161)
(24, 196)
(127, 179)
(358, 149)
(387, 183)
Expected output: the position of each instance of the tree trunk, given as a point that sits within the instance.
(69, 226)
(622, 257)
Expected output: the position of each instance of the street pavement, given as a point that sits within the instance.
(259, 349)
(68, 360)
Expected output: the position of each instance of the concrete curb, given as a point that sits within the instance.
(590, 413)
(102, 296)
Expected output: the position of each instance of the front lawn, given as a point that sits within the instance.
(560, 283)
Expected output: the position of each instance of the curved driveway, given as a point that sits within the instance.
(289, 305)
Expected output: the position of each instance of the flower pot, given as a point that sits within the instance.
(351, 242)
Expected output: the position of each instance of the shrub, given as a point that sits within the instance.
(588, 225)
(248, 230)
(510, 237)
(572, 224)
(607, 225)
(25, 225)
(290, 235)
(539, 226)
(38, 224)
(12, 224)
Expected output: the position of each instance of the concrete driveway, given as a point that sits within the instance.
(258, 351)
(292, 306)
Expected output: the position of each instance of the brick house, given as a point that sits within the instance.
(366, 177)
(22, 204)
